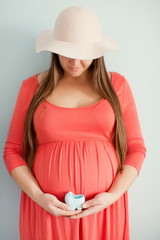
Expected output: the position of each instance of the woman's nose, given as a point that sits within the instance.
(75, 62)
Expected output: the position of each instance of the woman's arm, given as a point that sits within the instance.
(136, 149)
(17, 167)
(24, 178)
(136, 153)
(123, 181)
(103, 200)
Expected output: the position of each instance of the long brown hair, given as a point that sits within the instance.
(102, 84)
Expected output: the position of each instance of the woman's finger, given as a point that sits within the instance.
(70, 213)
(61, 205)
(60, 212)
(88, 211)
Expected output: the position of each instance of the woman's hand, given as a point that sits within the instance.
(52, 205)
(97, 204)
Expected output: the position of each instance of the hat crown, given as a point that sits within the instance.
(77, 24)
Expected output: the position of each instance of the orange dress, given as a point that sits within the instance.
(75, 153)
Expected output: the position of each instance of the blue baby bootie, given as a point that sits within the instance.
(74, 201)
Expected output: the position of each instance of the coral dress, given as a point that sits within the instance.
(75, 153)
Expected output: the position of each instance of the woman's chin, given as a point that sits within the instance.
(75, 74)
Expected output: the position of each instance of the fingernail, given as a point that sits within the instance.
(85, 205)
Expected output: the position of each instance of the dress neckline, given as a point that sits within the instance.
(84, 107)
(74, 108)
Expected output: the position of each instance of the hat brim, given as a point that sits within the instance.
(45, 42)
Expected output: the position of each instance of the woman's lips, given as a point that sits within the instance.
(75, 69)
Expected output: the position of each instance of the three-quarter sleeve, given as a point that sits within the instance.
(136, 149)
(12, 153)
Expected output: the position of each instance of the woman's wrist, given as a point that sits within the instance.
(38, 196)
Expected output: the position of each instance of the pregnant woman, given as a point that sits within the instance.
(75, 127)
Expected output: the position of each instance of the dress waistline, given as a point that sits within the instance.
(77, 139)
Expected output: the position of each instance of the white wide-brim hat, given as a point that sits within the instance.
(76, 34)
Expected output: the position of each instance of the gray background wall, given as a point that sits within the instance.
(135, 25)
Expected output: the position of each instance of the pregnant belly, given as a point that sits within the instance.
(83, 167)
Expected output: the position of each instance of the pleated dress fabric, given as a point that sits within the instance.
(75, 153)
